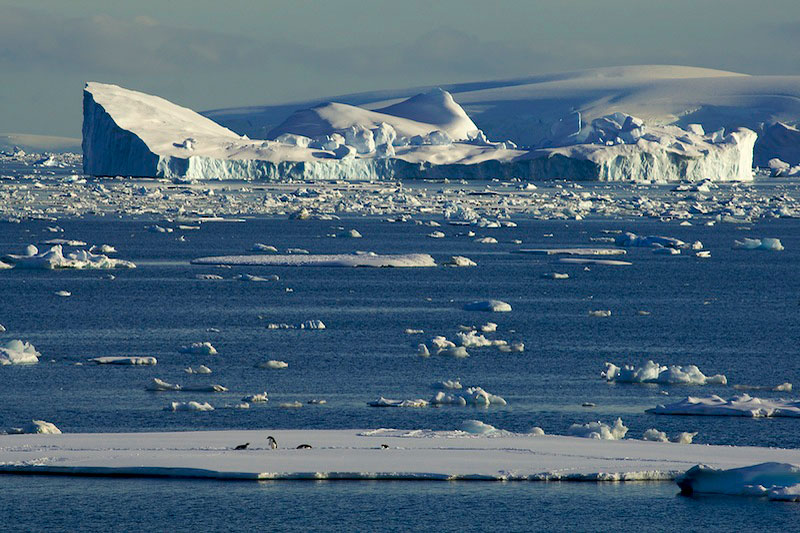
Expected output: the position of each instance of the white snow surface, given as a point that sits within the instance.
(357, 454)
(743, 405)
(328, 260)
(652, 372)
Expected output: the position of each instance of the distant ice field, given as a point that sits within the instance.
(733, 314)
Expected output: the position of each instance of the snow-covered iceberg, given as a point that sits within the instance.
(429, 135)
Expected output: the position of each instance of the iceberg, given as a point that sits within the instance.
(429, 135)
(652, 372)
(17, 352)
(54, 258)
(599, 430)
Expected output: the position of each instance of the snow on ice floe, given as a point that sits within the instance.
(743, 405)
(655, 435)
(202, 369)
(767, 243)
(124, 360)
(17, 352)
(326, 260)
(198, 348)
(252, 277)
(776, 481)
(494, 306)
(131, 133)
(189, 406)
(599, 430)
(600, 313)
(628, 239)
(439, 345)
(652, 372)
(460, 261)
(256, 398)
(54, 258)
(35, 427)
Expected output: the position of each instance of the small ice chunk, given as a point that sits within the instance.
(436, 235)
(259, 247)
(410, 331)
(256, 398)
(124, 360)
(489, 327)
(600, 313)
(477, 427)
(17, 352)
(767, 243)
(448, 384)
(599, 430)
(555, 275)
(159, 385)
(189, 406)
(460, 261)
(202, 369)
(198, 348)
(536, 431)
(63, 294)
(494, 306)
(290, 405)
(386, 402)
(273, 364)
(37, 427)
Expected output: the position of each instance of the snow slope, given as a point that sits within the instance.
(353, 454)
(526, 110)
(419, 115)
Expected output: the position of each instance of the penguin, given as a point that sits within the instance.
(304, 447)
(242, 446)
(272, 442)
(384, 446)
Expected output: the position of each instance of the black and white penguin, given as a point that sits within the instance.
(272, 442)
(242, 446)
(304, 447)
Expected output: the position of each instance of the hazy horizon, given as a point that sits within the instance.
(206, 55)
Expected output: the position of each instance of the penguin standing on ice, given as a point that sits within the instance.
(271, 442)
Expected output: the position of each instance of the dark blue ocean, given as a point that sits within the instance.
(736, 314)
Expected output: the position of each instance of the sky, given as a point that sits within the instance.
(207, 54)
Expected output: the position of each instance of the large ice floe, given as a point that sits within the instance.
(17, 352)
(54, 258)
(367, 259)
(652, 372)
(776, 481)
(428, 135)
(743, 405)
(487, 454)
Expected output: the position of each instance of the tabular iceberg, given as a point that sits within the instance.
(426, 136)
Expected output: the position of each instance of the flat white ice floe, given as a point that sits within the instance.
(652, 372)
(36, 427)
(599, 430)
(54, 258)
(198, 348)
(572, 251)
(273, 364)
(494, 306)
(743, 405)
(767, 243)
(386, 402)
(308, 324)
(124, 360)
(357, 454)
(17, 352)
(776, 481)
(587, 261)
(322, 260)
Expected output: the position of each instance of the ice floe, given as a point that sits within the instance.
(767, 243)
(198, 348)
(652, 372)
(54, 258)
(385, 402)
(35, 427)
(477, 427)
(655, 435)
(308, 324)
(202, 369)
(256, 398)
(471, 396)
(599, 430)
(189, 406)
(17, 352)
(494, 306)
(460, 261)
(124, 360)
(743, 405)
(776, 481)
(273, 364)
(327, 260)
